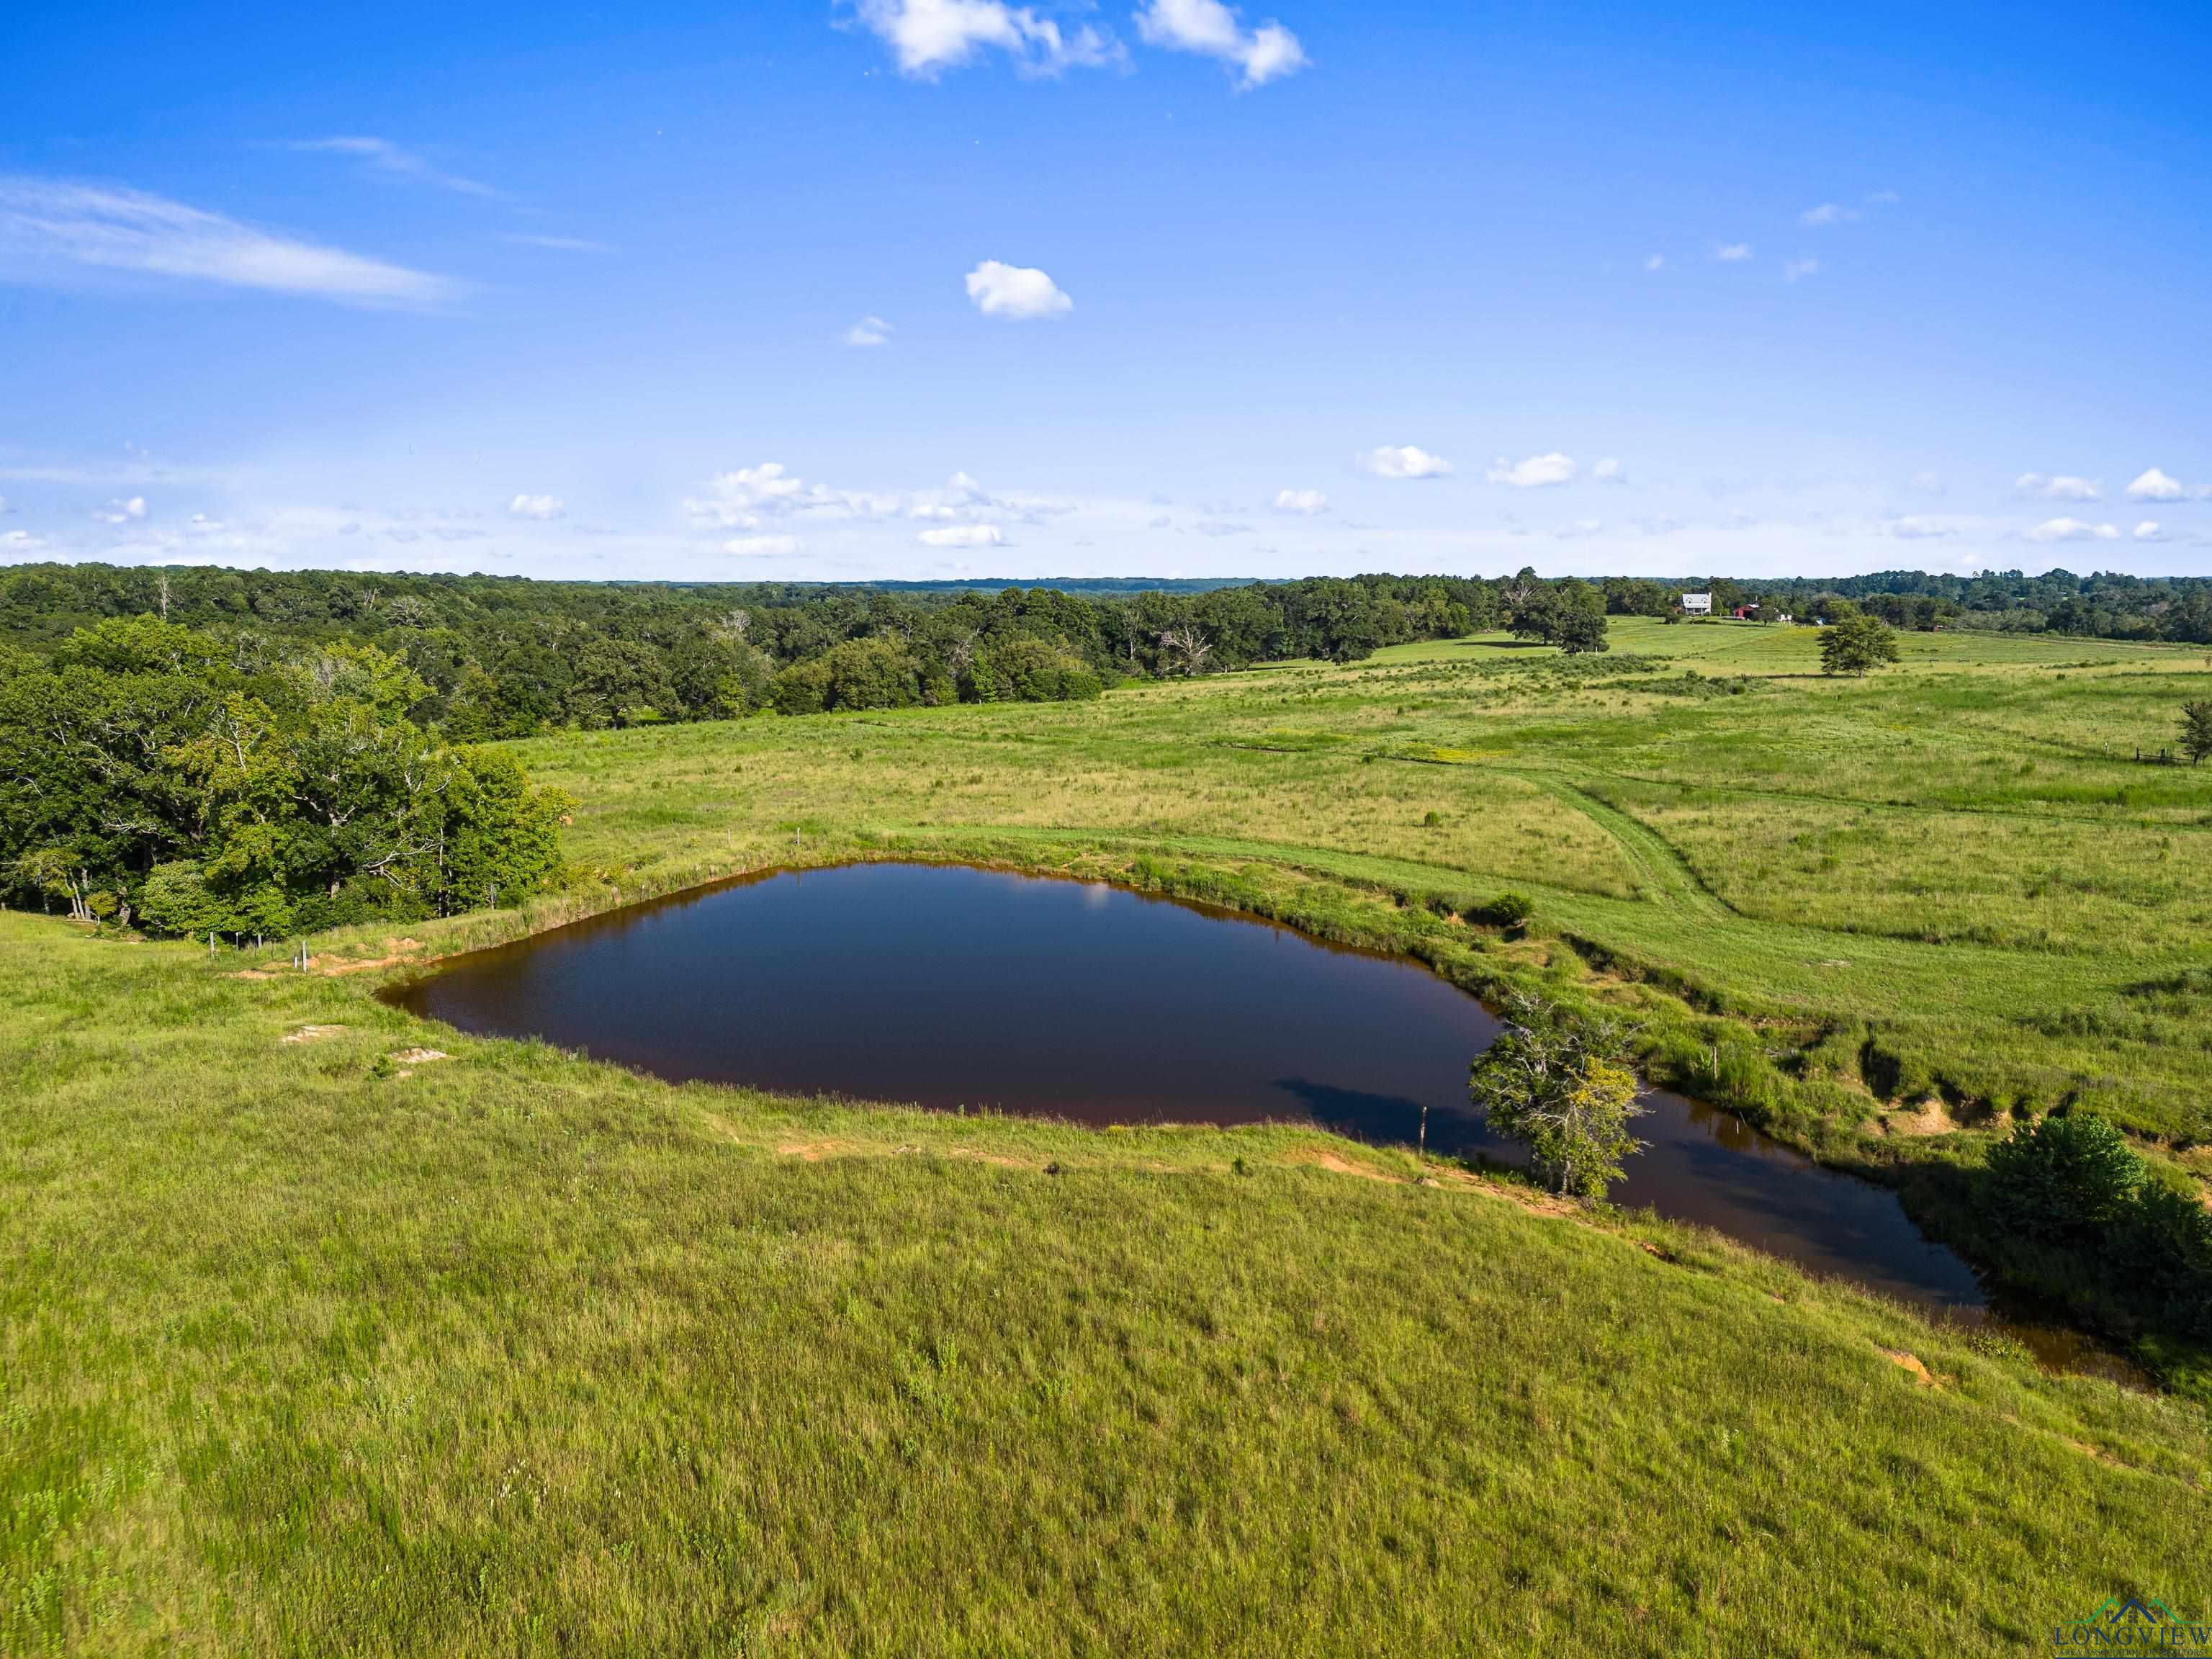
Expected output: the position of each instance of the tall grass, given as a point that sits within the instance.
(517, 1354)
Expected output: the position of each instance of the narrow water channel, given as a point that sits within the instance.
(952, 987)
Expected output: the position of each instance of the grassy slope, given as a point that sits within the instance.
(519, 1353)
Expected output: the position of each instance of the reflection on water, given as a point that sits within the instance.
(960, 987)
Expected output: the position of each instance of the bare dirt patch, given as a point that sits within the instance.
(813, 1151)
(311, 1034)
(1337, 1163)
(1911, 1363)
(1930, 1117)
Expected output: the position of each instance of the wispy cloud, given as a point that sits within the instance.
(763, 547)
(1839, 213)
(559, 244)
(2062, 488)
(542, 508)
(928, 37)
(869, 331)
(1262, 54)
(50, 230)
(963, 535)
(384, 156)
(1796, 268)
(1730, 253)
(1308, 503)
(2073, 530)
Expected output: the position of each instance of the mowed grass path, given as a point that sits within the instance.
(311, 1348)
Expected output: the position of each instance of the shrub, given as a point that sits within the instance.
(2063, 1178)
(1506, 910)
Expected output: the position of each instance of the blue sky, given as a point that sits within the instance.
(920, 288)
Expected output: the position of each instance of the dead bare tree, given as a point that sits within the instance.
(1189, 644)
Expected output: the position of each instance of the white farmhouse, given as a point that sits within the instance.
(1697, 605)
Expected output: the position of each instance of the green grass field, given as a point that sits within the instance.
(309, 1346)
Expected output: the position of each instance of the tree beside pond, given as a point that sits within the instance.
(1566, 1091)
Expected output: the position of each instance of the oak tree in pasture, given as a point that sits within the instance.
(1856, 642)
(2196, 729)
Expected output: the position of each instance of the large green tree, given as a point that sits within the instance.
(1855, 643)
(1566, 1090)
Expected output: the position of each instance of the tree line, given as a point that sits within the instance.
(505, 657)
(162, 777)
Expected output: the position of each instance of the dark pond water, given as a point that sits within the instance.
(951, 987)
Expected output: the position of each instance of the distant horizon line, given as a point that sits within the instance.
(1132, 584)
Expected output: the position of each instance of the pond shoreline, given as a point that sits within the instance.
(1958, 1303)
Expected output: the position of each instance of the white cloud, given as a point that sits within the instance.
(1730, 252)
(47, 227)
(1017, 292)
(123, 512)
(1308, 502)
(2155, 486)
(1580, 530)
(931, 36)
(964, 535)
(740, 498)
(386, 156)
(868, 332)
(1828, 213)
(1796, 268)
(2073, 530)
(1404, 461)
(2148, 531)
(1263, 54)
(2062, 487)
(1606, 470)
(1656, 262)
(1929, 483)
(1915, 528)
(18, 541)
(537, 507)
(762, 547)
(1533, 473)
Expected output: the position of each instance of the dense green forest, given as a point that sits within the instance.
(196, 785)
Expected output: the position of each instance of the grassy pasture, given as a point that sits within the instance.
(303, 1350)
(307, 1347)
(1959, 857)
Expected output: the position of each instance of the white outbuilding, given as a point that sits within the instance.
(1697, 605)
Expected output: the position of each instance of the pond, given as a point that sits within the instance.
(957, 988)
